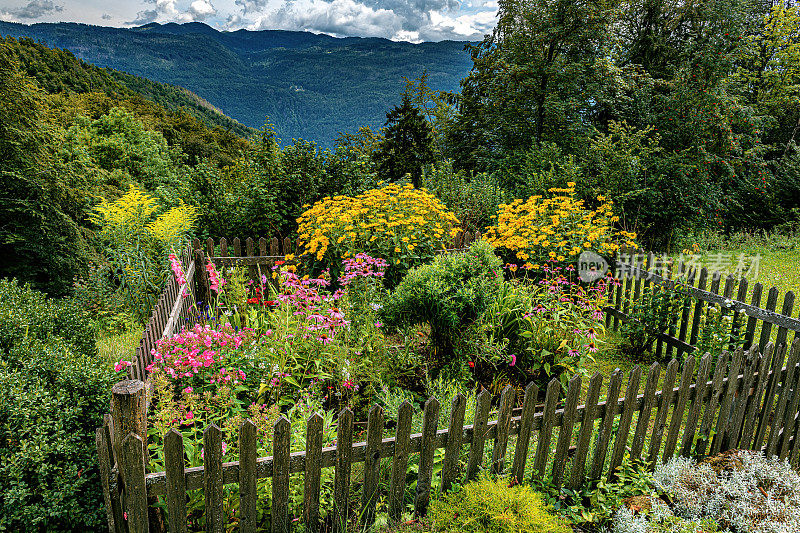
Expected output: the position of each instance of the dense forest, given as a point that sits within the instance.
(310, 86)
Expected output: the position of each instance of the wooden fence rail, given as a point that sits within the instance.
(172, 309)
(750, 400)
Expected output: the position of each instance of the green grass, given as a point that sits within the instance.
(114, 346)
(779, 254)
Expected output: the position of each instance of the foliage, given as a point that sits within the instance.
(398, 223)
(136, 238)
(557, 228)
(659, 519)
(659, 307)
(407, 144)
(548, 329)
(473, 199)
(536, 78)
(447, 295)
(53, 393)
(29, 314)
(739, 490)
(488, 505)
(595, 502)
(719, 331)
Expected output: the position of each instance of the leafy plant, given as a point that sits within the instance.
(138, 239)
(447, 295)
(658, 308)
(53, 394)
(493, 506)
(556, 229)
(549, 328)
(398, 223)
(719, 332)
(595, 503)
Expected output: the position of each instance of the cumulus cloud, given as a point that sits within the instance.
(34, 10)
(337, 17)
(201, 10)
(402, 20)
(252, 6)
(106, 16)
(173, 11)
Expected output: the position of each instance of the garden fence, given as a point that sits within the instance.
(745, 400)
(172, 309)
(635, 275)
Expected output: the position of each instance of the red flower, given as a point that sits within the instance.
(253, 300)
(270, 303)
(471, 364)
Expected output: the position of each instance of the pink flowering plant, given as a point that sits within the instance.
(190, 413)
(203, 357)
(548, 328)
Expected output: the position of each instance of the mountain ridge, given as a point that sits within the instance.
(311, 86)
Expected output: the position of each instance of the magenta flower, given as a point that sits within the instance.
(513, 360)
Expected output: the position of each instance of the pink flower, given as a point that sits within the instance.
(188, 390)
(513, 360)
(121, 365)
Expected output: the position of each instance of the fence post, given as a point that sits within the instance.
(201, 289)
(128, 410)
(129, 414)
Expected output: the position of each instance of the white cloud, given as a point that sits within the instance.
(399, 20)
(338, 18)
(35, 9)
(201, 10)
(464, 27)
(175, 11)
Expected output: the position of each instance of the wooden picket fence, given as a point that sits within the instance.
(635, 274)
(745, 400)
(170, 311)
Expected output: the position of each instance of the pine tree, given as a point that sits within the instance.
(407, 145)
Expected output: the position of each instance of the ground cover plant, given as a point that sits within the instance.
(738, 491)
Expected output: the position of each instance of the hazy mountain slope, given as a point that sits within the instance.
(310, 86)
(60, 71)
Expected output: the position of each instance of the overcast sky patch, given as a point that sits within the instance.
(405, 20)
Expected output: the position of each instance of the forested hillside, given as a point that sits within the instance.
(310, 86)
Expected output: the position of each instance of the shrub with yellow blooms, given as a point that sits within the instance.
(138, 233)
(396, 222)
(556, 230)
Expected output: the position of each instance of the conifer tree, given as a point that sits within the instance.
(407, 145)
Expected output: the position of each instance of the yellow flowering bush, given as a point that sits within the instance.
(138, 234)
(556, 229)
(398, 223)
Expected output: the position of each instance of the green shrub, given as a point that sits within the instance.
(652, 315)
(489, 506)
(26, 313)
(51, 401)
(448, 295)
(53, 394)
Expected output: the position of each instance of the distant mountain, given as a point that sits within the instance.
(310, 86)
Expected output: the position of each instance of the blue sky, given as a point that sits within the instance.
(407, 20)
